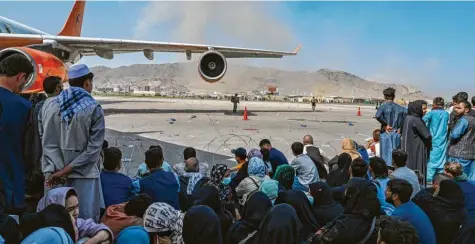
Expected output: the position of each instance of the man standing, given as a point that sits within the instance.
(52, 86)
(391, 117)
(72, 142)
(18, 133)
(315, 154)
(460, 97)
(314, 103)
(462, 139)
(235, 101)
(437, 120)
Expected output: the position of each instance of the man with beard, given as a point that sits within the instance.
(462, 139)
(458, 98)
(19, 141)
(398, 193)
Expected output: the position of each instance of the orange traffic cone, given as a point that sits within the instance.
(245, 114)
(359, 112)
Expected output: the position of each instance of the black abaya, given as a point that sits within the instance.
(255, 210)
(301, 204)
(416, 138)
(201, 226)
(280, 226)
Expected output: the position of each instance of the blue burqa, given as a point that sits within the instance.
(391, 114)
(437, 121)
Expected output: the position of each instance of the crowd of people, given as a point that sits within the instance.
(413, 182)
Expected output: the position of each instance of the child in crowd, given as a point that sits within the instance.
(116, 187)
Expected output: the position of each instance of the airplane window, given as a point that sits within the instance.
(8, 29)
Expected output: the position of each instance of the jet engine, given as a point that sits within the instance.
(44, 65)
(212, 66)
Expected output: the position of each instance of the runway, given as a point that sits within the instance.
(133, 124)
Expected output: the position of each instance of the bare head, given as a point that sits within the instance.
(192, 165)
(308, 140)
(15, 71)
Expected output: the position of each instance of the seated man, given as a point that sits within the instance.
(398, 193)
(142, 170)
(190, 183)
(116, 187)
(396, 231)
(305, 170)
(189, 152)
(402, 172)
(161, 185)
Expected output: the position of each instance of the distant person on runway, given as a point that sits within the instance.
(314, 103)
(235, 101)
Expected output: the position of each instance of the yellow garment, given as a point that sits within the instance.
(348, 146)
(238, 166)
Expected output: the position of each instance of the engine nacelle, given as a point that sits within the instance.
(44, 65)
(212, 66)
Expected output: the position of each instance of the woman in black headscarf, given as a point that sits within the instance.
(357, 223)
(201, 226)
(341, 175)
(302, 206)
(255, 209)
(446, 210)
(54, 215)
(324, 207)
(280, 226)
(209, 196)
(416, 139)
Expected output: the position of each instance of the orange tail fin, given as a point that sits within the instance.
(73, 24)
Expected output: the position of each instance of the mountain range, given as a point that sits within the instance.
(243, 78)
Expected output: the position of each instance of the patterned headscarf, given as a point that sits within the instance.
(285, 174)
(256, 167)
(194, 178)
(254, 152)
(73, 100)
(217, 174)
(161, 217)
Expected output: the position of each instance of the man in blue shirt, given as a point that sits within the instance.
(276, 157)
(398, 193)
(161, 185)
(116, 187)
(19, 140)
(462, 139)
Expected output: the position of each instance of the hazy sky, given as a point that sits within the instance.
(427, 44)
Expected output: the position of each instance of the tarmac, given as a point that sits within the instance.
(209, 126)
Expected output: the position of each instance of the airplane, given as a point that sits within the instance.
(51, 55)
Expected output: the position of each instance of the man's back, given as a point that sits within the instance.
(162, 186)
(406, 173)
(14, 114)
(116, 187)
(305, 170)
(421, 222)
(277, 158)
(64, 142)
(392, 114)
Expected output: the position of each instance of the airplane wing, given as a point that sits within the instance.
(91, 46)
